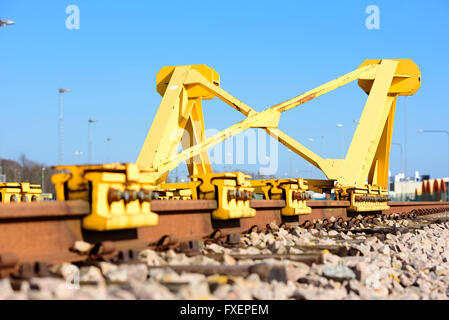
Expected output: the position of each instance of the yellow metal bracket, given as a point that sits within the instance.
(370, 198)
(172, 193)
(119, 194)
(232, 191)
(179, 190)
(19, 192)
(293, 191)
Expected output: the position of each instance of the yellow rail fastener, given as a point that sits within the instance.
(118, 193)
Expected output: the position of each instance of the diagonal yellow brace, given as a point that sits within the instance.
(258, 119)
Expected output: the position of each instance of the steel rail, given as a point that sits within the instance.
(46, 231)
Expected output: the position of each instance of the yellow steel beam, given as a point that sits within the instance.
(330, 167)
(165, 121)
(379, 170)
(196, 78)
(195, 133)
(365, 71)
(268, 118)
(366, 160)
(361, 153)
(178, 119)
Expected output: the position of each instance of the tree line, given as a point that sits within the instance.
(26, 170)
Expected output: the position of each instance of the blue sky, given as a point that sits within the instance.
(264, 51)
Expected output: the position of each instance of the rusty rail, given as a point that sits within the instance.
(46, 231)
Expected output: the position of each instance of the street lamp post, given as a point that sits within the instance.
(61, 134)
(78, 154)
(342, 140)
(438, 131)
(89, 151)
(405, 138)
(4, 22)
(108, 141)
(400, 148)
(43, 180)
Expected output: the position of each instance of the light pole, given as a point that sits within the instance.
(43, 180)
(108, 141)
(311, 140)
(405, 138)
(438, 131)
(4, 22)
(400, 148)
(78, 154)
(342, 139)
(89, 151)
(61, 133)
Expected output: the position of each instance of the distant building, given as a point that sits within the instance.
(419, 187)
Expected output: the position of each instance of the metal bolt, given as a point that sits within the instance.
(124, 256)
(140, 196)
(231, 194)
(124, 196)
(114, 195)
(145, 195)
(117, 195)
(132, 195)
(233, 238)
(192, 246)
(238, 195)
(41, 269)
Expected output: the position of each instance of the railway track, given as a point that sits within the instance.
(287, 262)
(110, 211)
(36, 235)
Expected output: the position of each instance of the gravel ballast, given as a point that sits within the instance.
(411, 265)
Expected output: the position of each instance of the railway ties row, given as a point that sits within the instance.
(334, 237)
(309, 252)
(310, 268)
